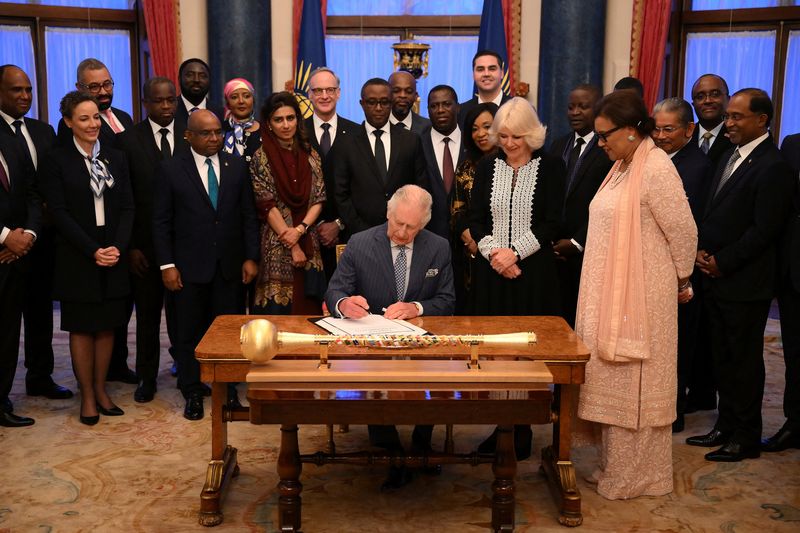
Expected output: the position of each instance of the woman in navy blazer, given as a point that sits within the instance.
(88, 192)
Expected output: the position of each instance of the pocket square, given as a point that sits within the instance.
(432, 272)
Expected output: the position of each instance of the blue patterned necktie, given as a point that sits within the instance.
(213, 184)
(400, 273)
(706, 144)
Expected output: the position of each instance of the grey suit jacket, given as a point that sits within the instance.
(365, 268)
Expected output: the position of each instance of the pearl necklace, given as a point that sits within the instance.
(617, 177)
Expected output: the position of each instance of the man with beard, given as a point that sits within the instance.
(710, 98)
(587, 165)
(404, 95)
(487, 72)
(33, 138)
(146, 144)
(195, 79)
(95, 80)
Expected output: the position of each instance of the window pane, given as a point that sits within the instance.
(104, 4)
(66, 47)
(790, 111)
(743, 59)
(450, 63)
(355, 59)
(710, 5)
(404, 7)
(16, 48)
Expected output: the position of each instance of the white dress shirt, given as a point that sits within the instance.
(170, 135)
(714, 133)
(25, 133)
(437, 139)
(586, 140)
(747, 149)
(498, 100)
(99, 203)
(405, 122)
(318, 131)
(386, 138)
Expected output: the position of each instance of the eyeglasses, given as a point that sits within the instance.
(711, 95)
(205, 134)
(330, 91)
(666, 129)
(94, 88)
(737, 117)
(383, 102)
(603, 135)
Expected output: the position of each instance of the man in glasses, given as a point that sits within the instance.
(324, 129)
(404, 95)
(710, 98)
(374, 162)
(206, 243)
(673, 134)
(94, 79)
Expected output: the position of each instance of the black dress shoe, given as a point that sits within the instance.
(713, 438)
(49, 390)
(6, 406)
(10, 420)
(784, 439)
(194, 407)
(397, 477)
(90, 420)
(679, 424)
(733, 452)
(145, 392)
(113, 411)
(125, 375)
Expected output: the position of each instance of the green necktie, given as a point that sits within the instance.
(213, 184)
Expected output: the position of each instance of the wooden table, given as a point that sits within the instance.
(557, 346)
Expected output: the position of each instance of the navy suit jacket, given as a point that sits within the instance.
(366, 269)
(464, 108)
(440, 212)
(42, 135)
(741, 224)
(189, 233)
(721, 146)
(360, 194)
(143, 151)
(790, 250)
(107, 135)
(694, 168)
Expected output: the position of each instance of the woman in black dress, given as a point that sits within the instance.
(88, 193)
(514, 215)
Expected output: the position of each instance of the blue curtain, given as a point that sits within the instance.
(404, 7)
(355, 59)
(105, 4)
(16, 48)
(743, 59)
(710, 5)
(450, 63)
(790, 112)
(66, 47)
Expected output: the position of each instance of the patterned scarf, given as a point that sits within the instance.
(100, 178)
(234, 137)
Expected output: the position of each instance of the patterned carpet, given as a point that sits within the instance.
(143, 472)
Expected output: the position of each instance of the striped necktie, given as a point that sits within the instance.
(400, 273)
(726, 174)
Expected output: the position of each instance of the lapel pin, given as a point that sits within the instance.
(226, 163)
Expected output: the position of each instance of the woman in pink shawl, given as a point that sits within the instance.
(639, 254)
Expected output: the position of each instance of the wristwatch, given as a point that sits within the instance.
(340, 224)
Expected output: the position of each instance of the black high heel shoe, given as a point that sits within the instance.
(114, 411)
(90, 420)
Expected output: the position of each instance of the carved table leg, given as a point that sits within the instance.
(504, 469)
(556, 463)
(223, 465)
(289, 469)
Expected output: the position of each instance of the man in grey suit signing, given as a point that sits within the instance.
(404, 271)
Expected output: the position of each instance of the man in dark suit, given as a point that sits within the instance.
(94, 79)
(374, 162)
(403, 270)
(673, 134)
(323, 129)
(748, 206)
(710, 98)
(146, 144)
(487, 72)
(34, 138)
(404, 95)
(195, 79)
(587, 165)
(444, 150)
(789, 304)
(205, 235)
(20, 219)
